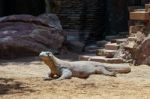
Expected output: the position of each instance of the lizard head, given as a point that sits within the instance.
(46, 54)
(48, 58)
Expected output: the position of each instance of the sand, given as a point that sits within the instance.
(23, 79)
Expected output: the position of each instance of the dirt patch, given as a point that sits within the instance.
(23, 79)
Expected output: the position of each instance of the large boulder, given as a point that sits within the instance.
(143, 52)
(26, 35)
(51, 20)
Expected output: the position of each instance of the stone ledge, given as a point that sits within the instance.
(139, 15)
(111, 46)
(119, 41)
(106, 53)
(147, 7)
(132, 38)
(100, 59)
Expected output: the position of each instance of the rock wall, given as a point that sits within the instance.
(97, 17)
(143, 52)
(137, 2)
(84, 15)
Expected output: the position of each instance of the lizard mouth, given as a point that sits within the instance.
(42, 57)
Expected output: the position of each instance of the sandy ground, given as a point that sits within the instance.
(23, 79)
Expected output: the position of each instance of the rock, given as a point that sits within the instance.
(133, 42)
(143, 52)
(130, 45)
(134, 29)
(26, 35)
(124, 54)
(52, 20)
(128, 50)
(140, 37)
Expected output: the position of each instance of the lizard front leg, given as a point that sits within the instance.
(51, 76)
(65, 74)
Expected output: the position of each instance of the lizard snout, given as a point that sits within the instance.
(43, 54)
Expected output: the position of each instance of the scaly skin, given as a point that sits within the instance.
(64, 69)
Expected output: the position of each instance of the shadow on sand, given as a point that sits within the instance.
(10, 86)
(25, 61)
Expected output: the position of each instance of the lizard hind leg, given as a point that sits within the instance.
(103, 70)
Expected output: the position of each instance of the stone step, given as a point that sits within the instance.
(100, 52)
(110, 37)
(141, 15)
(106, 53)
(132, 38)
(101, 43)
(100, 59)
(91, 48)
(111, 46)
(119, 41)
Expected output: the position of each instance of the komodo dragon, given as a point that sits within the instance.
(61, 69)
